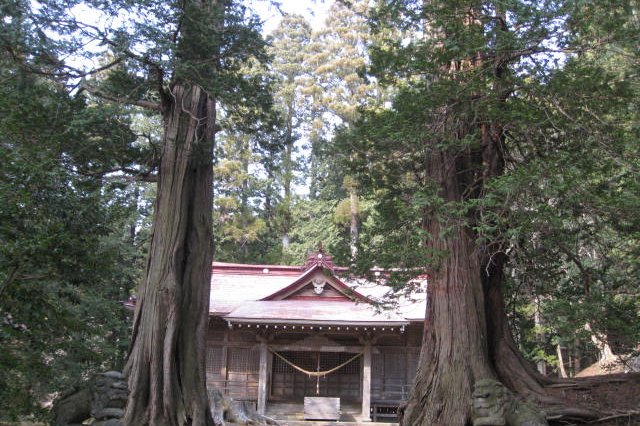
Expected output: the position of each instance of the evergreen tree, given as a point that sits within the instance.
(178, 60)
(66, 263)
(336, 88)
(486, 116)
(243, 197)
(289, 44)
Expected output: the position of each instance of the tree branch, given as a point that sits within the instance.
(142, 176)
(81, 74)
(154, 67)
(586, 276)
(154, 106)
(9, 279)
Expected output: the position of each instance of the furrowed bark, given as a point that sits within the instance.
(166, 364)
(454, 349)
(467, 336)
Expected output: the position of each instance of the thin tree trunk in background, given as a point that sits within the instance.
(574, 358)
(600, 341)
(561, 370)
(354, 228)
(542, 365)
(268, 209)
(288, 174)
(245, 157)
(314, 167)
(166, 360)
(287, 164)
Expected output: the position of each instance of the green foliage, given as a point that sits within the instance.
(563, 207)
(314, 223)
(237, 220)
(70, 216)
(288, 45)
(65, 262)
(318, 84)
(575, 235)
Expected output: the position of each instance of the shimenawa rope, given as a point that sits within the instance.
(315, 373)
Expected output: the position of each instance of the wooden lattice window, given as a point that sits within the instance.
(214, 360)
(392, 371)
(243, 367)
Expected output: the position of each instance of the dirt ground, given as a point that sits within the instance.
(618, 395)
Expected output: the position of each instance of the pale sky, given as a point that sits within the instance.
(314, 10)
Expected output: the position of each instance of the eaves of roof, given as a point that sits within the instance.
(237, 320)
(223, 268)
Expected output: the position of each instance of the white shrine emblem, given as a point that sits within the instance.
(318, 285)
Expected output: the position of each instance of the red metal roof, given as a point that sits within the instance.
(254, 293)
(347, 291)
(311, 312)
(244, 269)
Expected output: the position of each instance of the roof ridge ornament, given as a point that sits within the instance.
(320, 258)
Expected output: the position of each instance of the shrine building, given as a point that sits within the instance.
(289, 336)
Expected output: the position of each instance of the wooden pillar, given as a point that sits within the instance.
(224, 363)
(262, 378)
(366, 383)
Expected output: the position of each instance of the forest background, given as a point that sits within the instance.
(331, 148)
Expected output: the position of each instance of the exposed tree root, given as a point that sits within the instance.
(520, 376)
(592, 400)
(629, 415)
(227, 410)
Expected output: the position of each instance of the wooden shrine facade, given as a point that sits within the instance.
(279, 334)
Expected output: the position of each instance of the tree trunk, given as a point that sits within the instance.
(287, 178)
(513, 370)
(600, 341)
(240, 413)
(466, 335)
(454, 348)
(561, 371)
(466, 332)
(542, 364)
(354, 228)
(166, 363)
